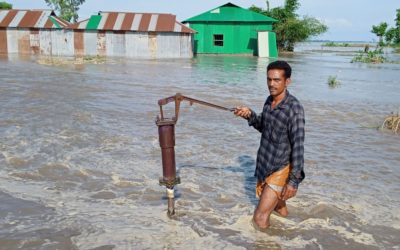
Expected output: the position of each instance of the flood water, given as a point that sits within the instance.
(80, 159)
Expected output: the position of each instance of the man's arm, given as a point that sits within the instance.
(252, 118)
(296, 136)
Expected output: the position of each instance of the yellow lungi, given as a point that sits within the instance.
(276, 181)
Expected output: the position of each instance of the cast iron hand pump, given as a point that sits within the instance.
(166, 133)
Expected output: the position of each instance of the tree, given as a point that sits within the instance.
(396, 38)
(5, 6)
(390, 35)
(68, 9)
(380, 31)
(290, 29)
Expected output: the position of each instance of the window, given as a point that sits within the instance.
(219, 40)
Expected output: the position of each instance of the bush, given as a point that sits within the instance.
(375, 56)
(333, 82)
(333, 44)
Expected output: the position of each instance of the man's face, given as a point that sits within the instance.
(277, 82)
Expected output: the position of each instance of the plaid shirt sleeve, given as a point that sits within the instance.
(296, 136)
(256, 120)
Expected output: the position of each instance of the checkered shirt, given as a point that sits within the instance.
(282, 139)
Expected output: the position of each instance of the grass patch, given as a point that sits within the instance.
(392, 123)
(55, 61)
(333, 82)
(333, 44)
(375, 56)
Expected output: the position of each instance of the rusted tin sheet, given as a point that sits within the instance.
(6, 17)
(3, 41)
(24, 45)
(79, 43)
(122, 21)
(101, 43)
(153, 44)
(34, 41)
(31, 19)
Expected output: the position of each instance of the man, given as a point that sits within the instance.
(280, 157)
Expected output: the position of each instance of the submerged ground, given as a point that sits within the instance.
(80, 159)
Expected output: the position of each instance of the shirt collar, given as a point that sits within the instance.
(283, 104)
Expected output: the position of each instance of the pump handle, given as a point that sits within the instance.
(178, 98)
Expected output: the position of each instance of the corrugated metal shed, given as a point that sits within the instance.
(138, 35)
(139, 22)
(31, 19)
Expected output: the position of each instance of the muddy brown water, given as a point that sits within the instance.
(80, 160)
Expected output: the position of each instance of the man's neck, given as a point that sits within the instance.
(278, 99)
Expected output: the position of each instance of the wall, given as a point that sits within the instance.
(62, 42)
(239, 38)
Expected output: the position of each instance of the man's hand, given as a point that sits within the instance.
(242, 111)
(288, 192)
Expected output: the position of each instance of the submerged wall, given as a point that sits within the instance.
(67, 42)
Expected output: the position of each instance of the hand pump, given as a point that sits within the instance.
(166, 133)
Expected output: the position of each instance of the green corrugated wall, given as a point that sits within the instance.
(239, 37)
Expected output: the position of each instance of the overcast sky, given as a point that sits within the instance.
(348, 20)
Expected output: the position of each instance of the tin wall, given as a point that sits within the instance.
(64, 42)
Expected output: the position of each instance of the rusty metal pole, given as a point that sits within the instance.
(166, 133)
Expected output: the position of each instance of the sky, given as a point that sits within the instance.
(347, 20)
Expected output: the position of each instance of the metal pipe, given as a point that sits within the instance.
(166, 134)
(171, 201)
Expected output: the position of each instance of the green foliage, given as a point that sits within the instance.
(333, 82)
(375, 56)
(291, 29)
(333, 44)
(391, 35)
(67, 9)
(380, 31)
(396, 38)
(5, 6)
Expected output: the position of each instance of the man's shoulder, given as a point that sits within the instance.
(295, 104)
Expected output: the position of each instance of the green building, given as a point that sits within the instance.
(230, 29)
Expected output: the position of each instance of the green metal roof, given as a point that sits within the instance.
(230, 13)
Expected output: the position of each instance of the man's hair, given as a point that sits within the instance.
(283, 65)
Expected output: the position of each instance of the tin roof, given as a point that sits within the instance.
(126, 21)
(30, 19)
(230, 13)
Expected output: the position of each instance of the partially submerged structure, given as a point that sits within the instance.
(230, 29)
(148, 35)
(137, 35)
(29, 31)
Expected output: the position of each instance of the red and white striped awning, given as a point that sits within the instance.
(31, 19)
